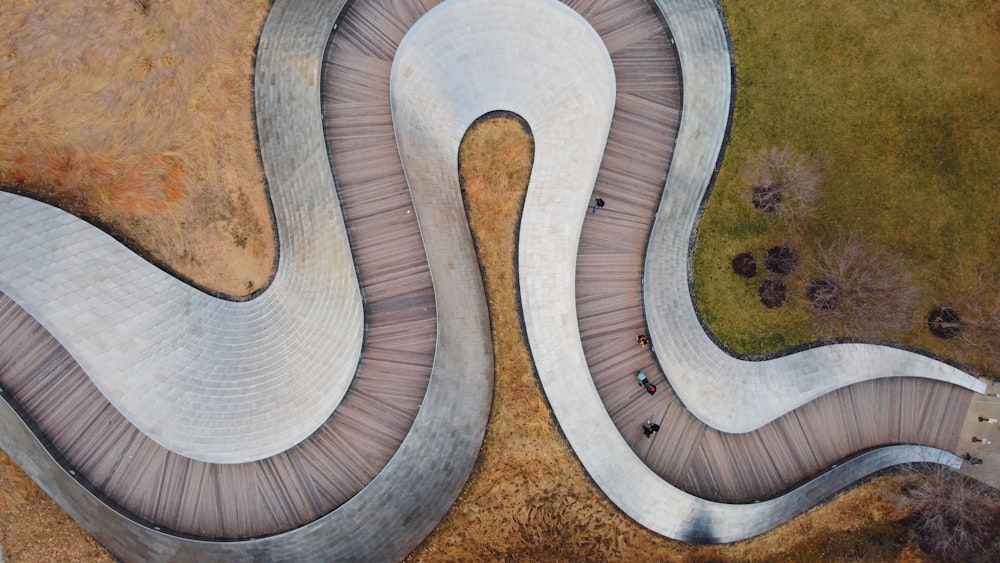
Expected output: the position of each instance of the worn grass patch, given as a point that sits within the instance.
(897, 101)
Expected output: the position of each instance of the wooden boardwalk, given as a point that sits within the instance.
(686, 453)
(297, 486)
(327, 469)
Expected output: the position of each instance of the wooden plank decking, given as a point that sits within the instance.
(319, 474)
(698, 459)
(327, 469)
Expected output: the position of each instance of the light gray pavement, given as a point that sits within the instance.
(550, 229)
(404, 503)
(542, 61)
(207, 378)
(725, 392)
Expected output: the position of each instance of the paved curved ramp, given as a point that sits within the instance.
(427, 472)
(696, 458)
(210, 379)
(391, 515)
(726, 392)
(702, 45)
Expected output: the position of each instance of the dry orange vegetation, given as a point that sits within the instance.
(141, 121)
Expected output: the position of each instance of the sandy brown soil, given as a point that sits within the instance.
(32, 526)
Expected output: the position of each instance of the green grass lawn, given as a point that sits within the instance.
(899, 102)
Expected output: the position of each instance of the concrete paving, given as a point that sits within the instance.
(565, 91)
(210, 379)
(550, 229)
(726, 392)
(407, 499)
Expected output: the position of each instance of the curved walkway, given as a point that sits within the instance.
(729, 393)
(702, 45)
(685, 452)
(438, 453)
(280, 492)
(210, 379)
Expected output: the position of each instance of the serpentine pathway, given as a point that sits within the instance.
(214, 381)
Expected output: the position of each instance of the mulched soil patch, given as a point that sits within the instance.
(745, 265)
(944, 322)
(780, 259)
(772, 293)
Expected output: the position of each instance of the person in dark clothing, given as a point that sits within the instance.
(650, 428)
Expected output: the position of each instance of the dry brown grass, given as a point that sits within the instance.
(141, 120)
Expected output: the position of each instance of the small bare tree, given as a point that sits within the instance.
(857, 291)
(782, 181)
(772, 292)
(952, 517)
(978, 328)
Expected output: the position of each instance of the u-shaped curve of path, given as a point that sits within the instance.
(770, 389)
(390, 515)
(292, 30)
(210, 379)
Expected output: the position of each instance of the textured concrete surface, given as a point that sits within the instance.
(389, 517)
(404, 503)
(728, 393)
(210, 379)
(548, 233)
(448, 73)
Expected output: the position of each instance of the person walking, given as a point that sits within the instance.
(650, 428)
(598, 203)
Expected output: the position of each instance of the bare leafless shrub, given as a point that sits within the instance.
(780, 259)
(944, 321)
(772, 293)
(782, 180)
(979, 337)
(858, 291)
(952, 517)
(745, 265)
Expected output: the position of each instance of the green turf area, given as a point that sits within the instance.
(899, 102)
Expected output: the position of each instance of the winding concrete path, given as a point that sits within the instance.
(210, 379)
(550, 320)
(729, 393)
(566, 93)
